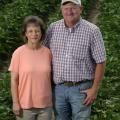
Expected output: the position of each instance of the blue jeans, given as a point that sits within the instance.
(68, 102)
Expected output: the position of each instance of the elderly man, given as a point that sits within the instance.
(78, 62)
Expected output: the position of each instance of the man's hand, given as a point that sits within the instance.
(16, 109)
(91, 96)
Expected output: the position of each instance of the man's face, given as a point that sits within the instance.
(71, 12)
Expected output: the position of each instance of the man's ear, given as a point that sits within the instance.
(81, 7)
(60, 7)
(60, 10)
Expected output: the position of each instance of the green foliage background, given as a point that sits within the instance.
(12, 13)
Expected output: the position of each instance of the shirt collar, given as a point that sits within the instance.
(75, 26)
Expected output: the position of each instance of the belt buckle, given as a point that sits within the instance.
(68, 84)
(74, 83)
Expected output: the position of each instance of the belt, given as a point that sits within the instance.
(70, 83)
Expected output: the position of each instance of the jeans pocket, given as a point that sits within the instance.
(83, 95)
(85, 85)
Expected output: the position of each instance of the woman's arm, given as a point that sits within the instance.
(14, 91)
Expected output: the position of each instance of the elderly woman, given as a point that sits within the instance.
(30, 74)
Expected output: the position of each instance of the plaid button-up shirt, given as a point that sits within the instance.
(76, 51)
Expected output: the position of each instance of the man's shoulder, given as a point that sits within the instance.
(89, 25)
(57, 23)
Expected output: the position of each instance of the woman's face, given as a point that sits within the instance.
(33, 33)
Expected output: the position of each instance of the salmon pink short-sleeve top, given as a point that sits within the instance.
(34, 70)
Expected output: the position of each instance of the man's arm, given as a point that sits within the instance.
(92, 92)
(98, 53)
(99, 73)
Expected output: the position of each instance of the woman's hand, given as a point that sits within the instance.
(16, 109)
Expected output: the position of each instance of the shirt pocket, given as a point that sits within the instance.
(80, 52)
(80, 56)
